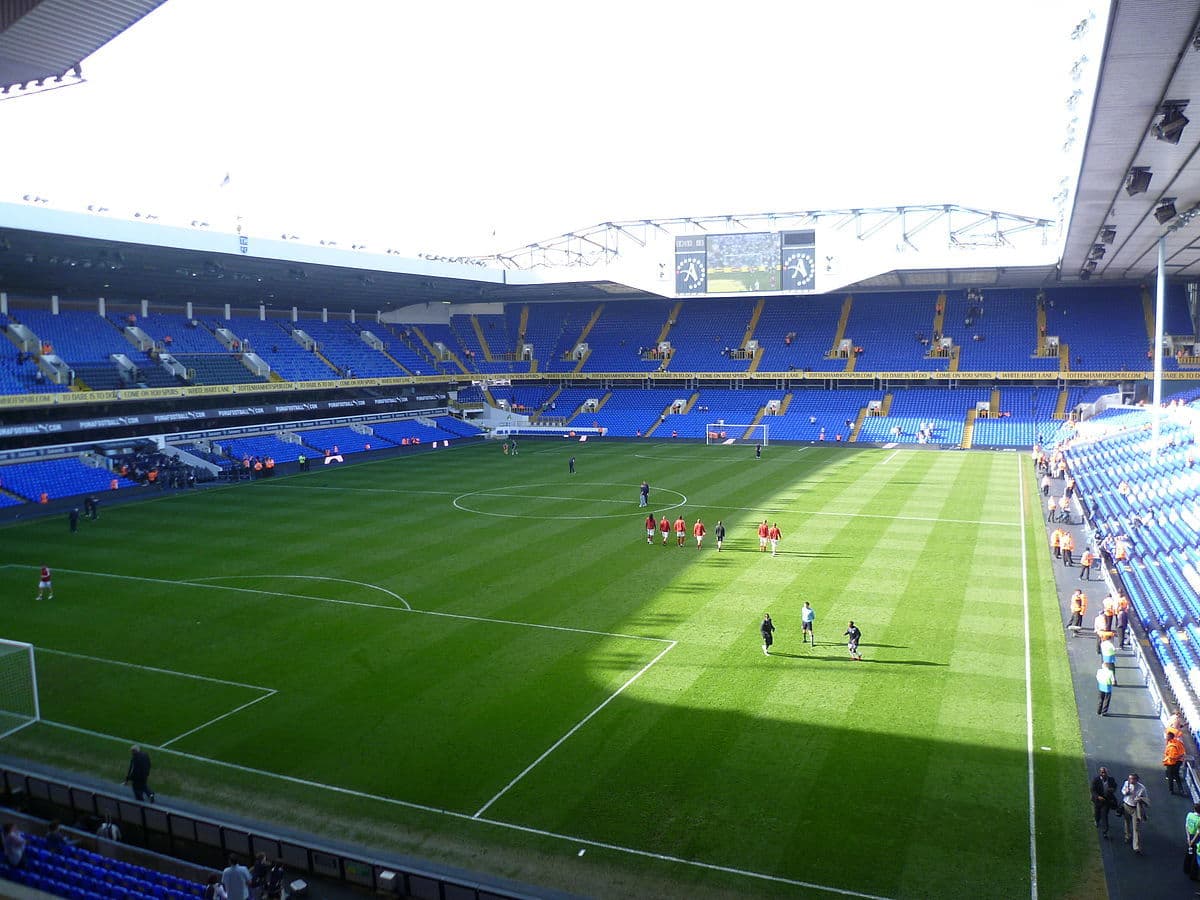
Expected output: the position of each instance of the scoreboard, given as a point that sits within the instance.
(747, 261)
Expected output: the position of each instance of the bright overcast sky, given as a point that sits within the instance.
(427, 126)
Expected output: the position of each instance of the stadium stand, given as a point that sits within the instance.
(57, 478)
(80, 874)
(262, 446)
(1104, 328)
(272, 340)
(339, 440)
(399, 432)
(943, 410)
(618, 334)
(554, 329)
(629, 412)
(216, 368)
(877, 320)
(1005, 321)
(795, 333)
(341, 343)
(705, 330)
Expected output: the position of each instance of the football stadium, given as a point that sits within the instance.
(849, 551)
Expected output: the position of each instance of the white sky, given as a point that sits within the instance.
(427, 126)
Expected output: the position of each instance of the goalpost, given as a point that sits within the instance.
(732, 433)
(19, 705)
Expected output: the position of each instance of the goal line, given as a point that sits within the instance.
(736, 433)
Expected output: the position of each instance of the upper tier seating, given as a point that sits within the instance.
(341, 343)
(272, 341)
(406, 348)
(1008, 328)
(882, 325)
(1104, 327)
(554, 330)
(216, 368)
(704, 330)
(185, 337)
(619, 332)
(812, 322)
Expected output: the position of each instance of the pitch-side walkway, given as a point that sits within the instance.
(1129, 739)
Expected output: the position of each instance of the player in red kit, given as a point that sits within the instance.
(774, 535)
(680, 531)
(763, 530)
(665, 527)
(650, 526)
(698, 533)
(44, 585)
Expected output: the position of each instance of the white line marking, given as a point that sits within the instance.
(346, 490)
(548, 497)
(201, 583)
(17, 728)
(529, 768)
(465, 817)
(365, 584)
(129, 665)
(216, 719)
(1033, 874)
(214, 587)
(581, 500)
(848, 515)
(889, 459)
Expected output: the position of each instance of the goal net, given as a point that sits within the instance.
(18, 687)
(726, 433)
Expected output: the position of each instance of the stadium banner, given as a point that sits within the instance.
(87, 397)
(388, 404)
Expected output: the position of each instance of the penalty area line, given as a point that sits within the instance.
(529, 768)
(466, 817)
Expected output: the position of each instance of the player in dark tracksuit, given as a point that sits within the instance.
(768, 629)
(719, 533)
(854, 636)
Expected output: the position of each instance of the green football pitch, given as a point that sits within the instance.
(478, 660)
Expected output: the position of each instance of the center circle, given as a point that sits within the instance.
(458, 502)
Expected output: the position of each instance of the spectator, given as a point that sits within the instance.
(56, 838)
(214, 890)
(236, 880)
(14, 845)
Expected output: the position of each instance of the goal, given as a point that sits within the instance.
(19, 706)
(727, 433)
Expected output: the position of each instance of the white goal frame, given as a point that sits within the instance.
(736, 433)
(17, 647)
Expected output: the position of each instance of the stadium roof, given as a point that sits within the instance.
(46, 39)
(1151, 65)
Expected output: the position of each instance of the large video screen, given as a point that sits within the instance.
(745, 262)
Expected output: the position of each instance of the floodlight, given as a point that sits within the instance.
(1097, 251)
(1084, 274)
(1138, 180)
(1108, 234)
(1170, 127)
(1165, 211)
(1089, 266)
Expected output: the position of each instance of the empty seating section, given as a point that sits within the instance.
(185, 337)
(1104, 327)
(570, 399)
(398, 432)
(812, 324)
(464, 339)
(76, 336)
(942, 409)
(714, 404)
(471, 393)
(1176, 318)
(455, 427)
(525, 399)
(341, 343)
(885, 325)
(703, 332)
(343, 439)
(499, 339)
(441, 334)
(56, 478)
(621, 330)
(1027, 417)
(1008, 329)
(272, 341)
(80, 874)
(406, 348)
(814, 415)
(21, 378)
(216, 368)
(262, 446)
(629, 412)
(554, 330)
(217, 459)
